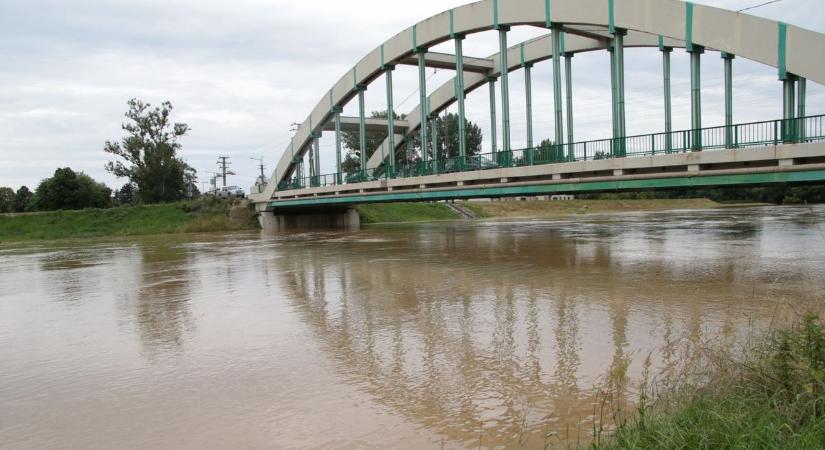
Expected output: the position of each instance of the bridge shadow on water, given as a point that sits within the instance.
(509, 332)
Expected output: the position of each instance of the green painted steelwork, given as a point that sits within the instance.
(611, 24)
(495, 14)
(422, 101)
(782, 40)
(558, 117)
(696, 96)
(689, 26)
(788, 108)
(728, 61)
(505, 89)
(800, 104)
(390, 117)
(568, 80)
(362, 128)
(666, 82)
(338, 178)
(617, 78)
(548, 22)
(563, 188)
(748, 135)
(452, 24)
(528, 94)
(434, 143)
(613, 120)
(459, 95)
(493, 123)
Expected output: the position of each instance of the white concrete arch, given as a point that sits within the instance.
(743, 35)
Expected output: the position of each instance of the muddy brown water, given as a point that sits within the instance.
(418, 336)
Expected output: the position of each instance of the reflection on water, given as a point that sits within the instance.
(413, 336)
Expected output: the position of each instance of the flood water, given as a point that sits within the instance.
(419, 336)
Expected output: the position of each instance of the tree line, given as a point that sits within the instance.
(147, 156)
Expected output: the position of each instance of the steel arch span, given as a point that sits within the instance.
(574, 26)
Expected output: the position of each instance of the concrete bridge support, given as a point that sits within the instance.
(310, 219)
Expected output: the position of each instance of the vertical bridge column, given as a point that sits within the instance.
(316, 160)
(800, 103)
(568, 80)
(617, 81)
(788, 107)
(666, 87)
(388, 68)
(695, 81)
(696, 96)
(459, 95)
(493, 138)
(528, 94)
(505, 93)
(559, 120)
(728, 61)
(422, 100)
(337, 110)
(362, 131)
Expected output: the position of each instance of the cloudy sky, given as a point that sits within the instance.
(239, 73)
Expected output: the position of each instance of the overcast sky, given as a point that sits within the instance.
(240, 72)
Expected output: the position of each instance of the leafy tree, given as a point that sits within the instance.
(6, 200)
(150, 153)
(126, 194)
(68, 189)
(447, 141)
(22, 199)
(448, 138)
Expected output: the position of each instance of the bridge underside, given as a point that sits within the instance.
(784, 163)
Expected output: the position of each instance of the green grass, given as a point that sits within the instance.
(773, 398)
(126, 220)
(404, 212)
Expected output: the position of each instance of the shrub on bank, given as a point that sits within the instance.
(774, 397)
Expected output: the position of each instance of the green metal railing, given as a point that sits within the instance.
(754, 134)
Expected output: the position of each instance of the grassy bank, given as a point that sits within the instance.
(543, 208)
(404, 212)
(771, 396)
(195, 216)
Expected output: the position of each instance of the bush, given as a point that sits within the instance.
(68, 189)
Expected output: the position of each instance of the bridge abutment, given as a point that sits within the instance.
(310, 219)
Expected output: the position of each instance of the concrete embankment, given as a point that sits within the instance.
(418, 212)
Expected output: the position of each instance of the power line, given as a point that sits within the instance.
(759, 5)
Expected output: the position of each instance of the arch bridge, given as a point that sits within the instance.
(410, 165)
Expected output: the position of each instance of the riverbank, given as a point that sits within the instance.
(771, 396)
(183, 217)
(420, 212)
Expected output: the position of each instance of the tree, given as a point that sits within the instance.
(126, 194)
(68, 189)
(447, 141)
(6, 200)
(150, 152)
(22, 199)
(448, 138)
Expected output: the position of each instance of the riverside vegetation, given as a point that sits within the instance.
(205, 214)
(768, 395)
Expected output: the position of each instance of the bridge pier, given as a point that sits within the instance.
(310, 219)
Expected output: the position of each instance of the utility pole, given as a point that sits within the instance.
(260, 160)
(223, 163)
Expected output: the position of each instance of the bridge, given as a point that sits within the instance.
(410, 165)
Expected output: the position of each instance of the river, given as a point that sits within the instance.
(449, 334)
